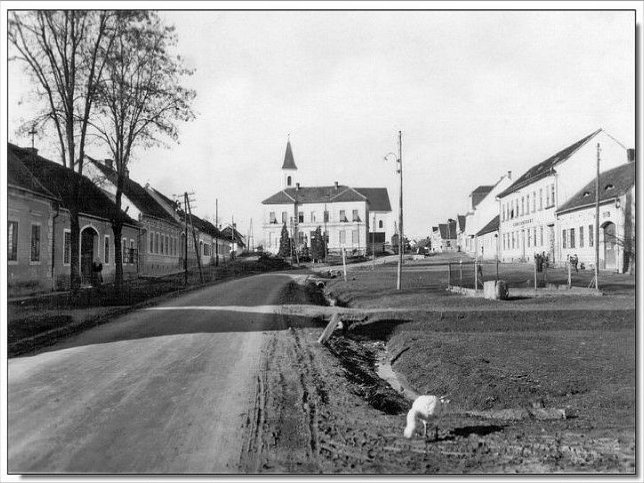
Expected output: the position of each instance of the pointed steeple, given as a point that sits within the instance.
(289, 162)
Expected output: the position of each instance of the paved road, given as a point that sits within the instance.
(155, 391)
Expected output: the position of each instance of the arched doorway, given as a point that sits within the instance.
(88, 252)
(610, 249)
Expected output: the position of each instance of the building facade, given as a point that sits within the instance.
(39, 227)
(576, 221)
(528, 207)
(355, 219)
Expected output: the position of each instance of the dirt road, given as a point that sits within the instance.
(155, 391)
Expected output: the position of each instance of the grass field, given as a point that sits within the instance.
(576, 353)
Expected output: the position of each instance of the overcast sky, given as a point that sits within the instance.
(475, 94)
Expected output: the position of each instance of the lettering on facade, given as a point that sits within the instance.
(606, 214)
(521, 223)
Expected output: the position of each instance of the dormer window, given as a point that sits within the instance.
(609, 187)
(586, 193)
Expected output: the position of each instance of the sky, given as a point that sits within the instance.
(475, 94)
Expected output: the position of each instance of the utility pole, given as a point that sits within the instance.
(597, 221)
(194, 236)
(373, 243)
(400, 213)
(217, 226)
(185, 239)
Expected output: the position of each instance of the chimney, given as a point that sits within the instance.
(297, 186)
(336, 186)
(109, 163)
(509, 174)
(630, 155)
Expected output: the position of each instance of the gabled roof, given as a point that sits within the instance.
(545, 168)
(378, 198)
(289, 162)
(233, 235)
(461, 222)
(447, 230)
(612, 183)
(136, 193)
(482, 189)
(20, 177)
(58, 180)
(491, 227)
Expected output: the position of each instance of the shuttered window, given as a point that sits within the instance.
(35, 243)
(67, 247)
(12, 241)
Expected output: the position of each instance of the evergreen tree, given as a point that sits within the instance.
(317, 245)
(285, 243)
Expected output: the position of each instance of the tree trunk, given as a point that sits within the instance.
(75, 277)
(117, 228)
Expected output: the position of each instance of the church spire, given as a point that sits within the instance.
(289, 162)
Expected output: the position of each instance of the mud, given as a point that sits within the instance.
(324, 410)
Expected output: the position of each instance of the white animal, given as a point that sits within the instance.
(424, 409)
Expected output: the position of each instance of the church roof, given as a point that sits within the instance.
(378, 198)
(289, 162)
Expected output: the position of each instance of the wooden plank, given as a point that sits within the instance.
(333, 323)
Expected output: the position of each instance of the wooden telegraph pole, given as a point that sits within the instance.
(400, 215)
(194, 237)
(597, 221)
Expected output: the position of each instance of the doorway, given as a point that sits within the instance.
(610, 242)
(88, 251)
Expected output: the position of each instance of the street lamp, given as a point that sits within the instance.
(400, 213)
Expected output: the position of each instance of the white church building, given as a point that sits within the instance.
(356, 219)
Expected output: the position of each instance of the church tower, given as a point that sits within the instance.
(288, 167)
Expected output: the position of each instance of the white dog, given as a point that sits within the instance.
(424, 409)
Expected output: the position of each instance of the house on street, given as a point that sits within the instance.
(576, 220)
(356, 219)
(39, 235)
(528, 207)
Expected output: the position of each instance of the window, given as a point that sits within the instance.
(534, 201)
(326, 216)
(552, 193)
(300, 217)
(522, 206)
(534, 236)
(572, 238)
(201, 247)
(288, 181)
(563, 238)
(270, 239)
(300, 237)
(343, 216)
(343, 237)
(67, 247)
(123, 250)
(581, 237)
(355, 237)
(313, 217)
(547, 198)
(167, 245)
(355, 215)
(284, 217)
(540, 198)
(156, 243)
(131, 251)
(590, 235)
(529, 237)
(106, 250)
(35, 243)
(380, 224)
(527, 204)
(541, 235)
(271, 217)
(151, 236)
(12, 241)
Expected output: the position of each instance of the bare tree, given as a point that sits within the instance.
(65, 52)
(140, 99)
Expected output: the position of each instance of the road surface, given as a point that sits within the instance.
(154, 391)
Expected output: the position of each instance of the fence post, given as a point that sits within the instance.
(460, 266)
(535, 274)
(476, 277)
(497, 269)
(449, 275)
(569, 275)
